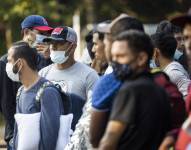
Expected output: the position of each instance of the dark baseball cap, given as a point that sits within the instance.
(182, 20)
(63, 33)
(36, 22)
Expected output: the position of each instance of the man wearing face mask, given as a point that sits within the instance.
(106, 88)
(22, 67)
(72, 76)
(165, 46)
(34, 29)
(31, 25)
(134, 122)
(169, 28)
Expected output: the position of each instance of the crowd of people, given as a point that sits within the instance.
(134, 92)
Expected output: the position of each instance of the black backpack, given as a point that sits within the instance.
(66, 101)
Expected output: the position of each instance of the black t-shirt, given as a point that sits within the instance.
(144, 107)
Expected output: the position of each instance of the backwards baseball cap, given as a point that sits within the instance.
(36, 22)
(102, 27)
(107, 28)
(182, 20)
(62, 34)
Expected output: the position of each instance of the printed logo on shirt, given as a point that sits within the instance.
(63, 84)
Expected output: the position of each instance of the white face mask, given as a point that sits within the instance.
(58, 57)
(13, 76)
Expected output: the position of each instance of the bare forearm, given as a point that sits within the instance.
(108, 142)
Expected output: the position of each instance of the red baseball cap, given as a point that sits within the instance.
(36, 22)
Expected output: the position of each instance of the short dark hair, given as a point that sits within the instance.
(89, 43)
(166, 43)
(167, 27)
(23, 50)
(124, 24)
(137, 41)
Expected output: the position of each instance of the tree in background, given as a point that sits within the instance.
(60, 12)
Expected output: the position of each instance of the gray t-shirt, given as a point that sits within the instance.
(179, 76)
(78, 79)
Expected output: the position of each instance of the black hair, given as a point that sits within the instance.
(23, 50)
(124, 24)
(166, 43)
(168, 27)
(137, 41)
(89, 42)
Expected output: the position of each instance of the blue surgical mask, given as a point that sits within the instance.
(177, 55)
(39, 40)
(152, 64)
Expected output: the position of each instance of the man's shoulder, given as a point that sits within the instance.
(46, 87)
(85, 68)
(138, 84)
(44, 70)
(175, 66)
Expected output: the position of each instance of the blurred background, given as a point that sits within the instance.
(82, 14)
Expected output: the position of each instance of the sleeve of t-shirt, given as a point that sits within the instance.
(91, 79)
(50, 118)
(181, 80)
(104, 92)
(124, 106)
(98, 102)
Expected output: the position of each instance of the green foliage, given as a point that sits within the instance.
(60, 12)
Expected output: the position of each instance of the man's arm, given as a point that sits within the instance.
(97, 126)
(90, 81)
(122, 115)
(112, 135)
(51, 109)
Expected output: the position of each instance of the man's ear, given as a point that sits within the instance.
(26, 31)
(142, 58)
(156, 52)
(74, 45)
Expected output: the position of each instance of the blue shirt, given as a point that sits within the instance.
(51, 109)
(105, 91)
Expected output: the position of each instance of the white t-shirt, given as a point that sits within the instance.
(108, 70)
(179, 76)
(79, 79)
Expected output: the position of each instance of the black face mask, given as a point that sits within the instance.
(122, 71)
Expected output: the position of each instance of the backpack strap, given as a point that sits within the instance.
(64, 96)
(40, 92)
(18, 96)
